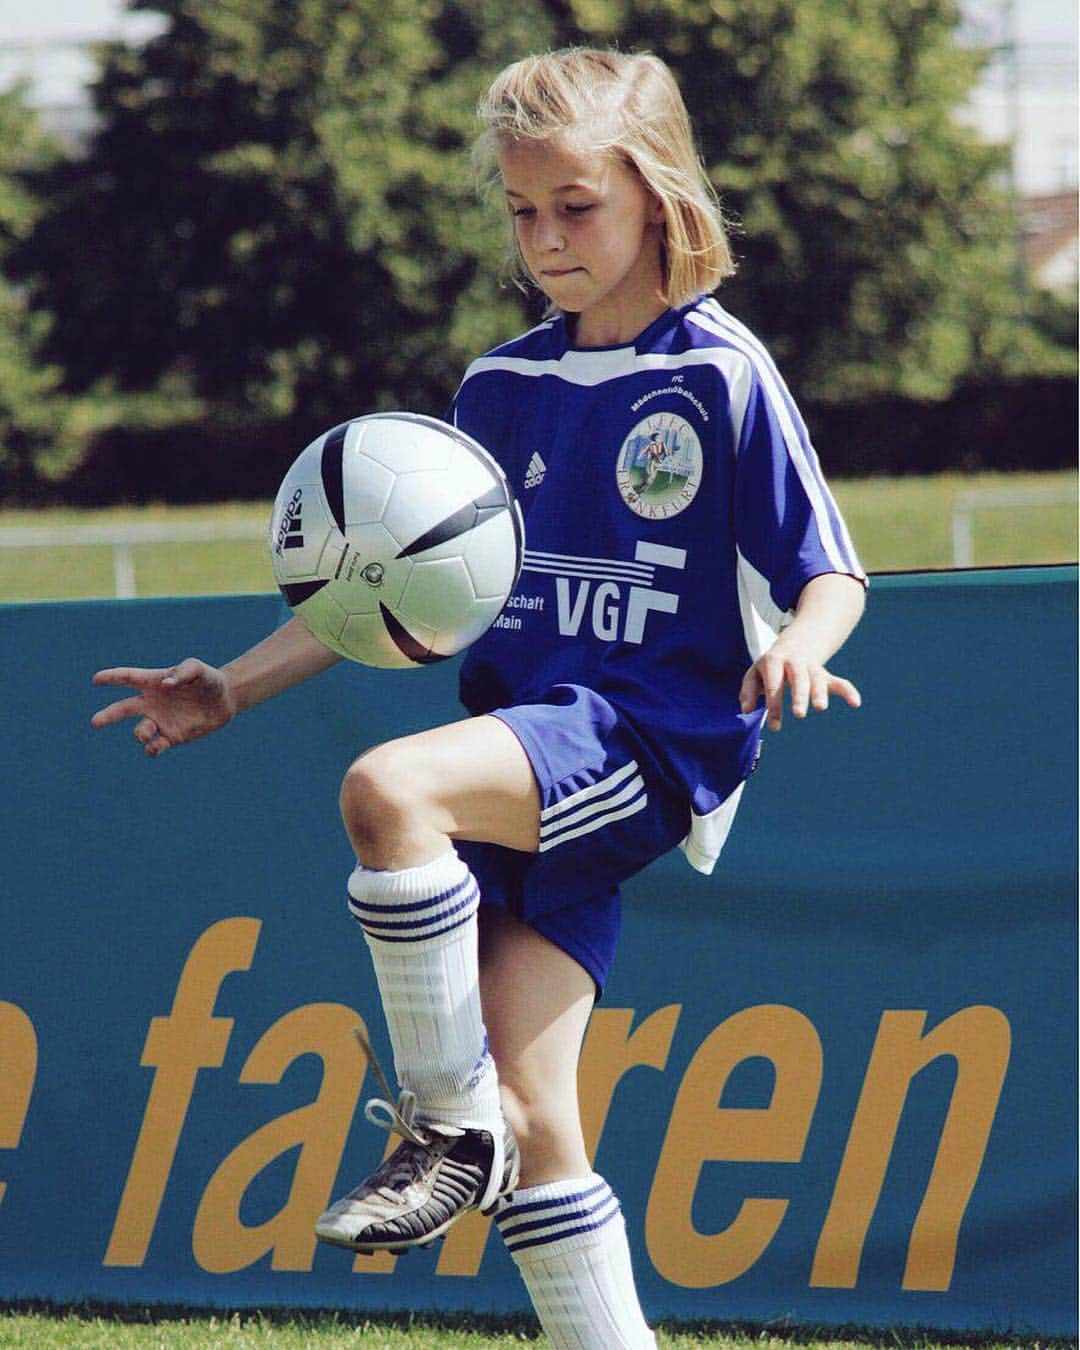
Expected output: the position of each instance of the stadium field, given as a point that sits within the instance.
(174, 1329)
(899, 524)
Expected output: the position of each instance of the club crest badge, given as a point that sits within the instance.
(658, 469)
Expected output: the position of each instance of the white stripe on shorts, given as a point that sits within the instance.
(605, 785)
(595, 824)
(593, 807)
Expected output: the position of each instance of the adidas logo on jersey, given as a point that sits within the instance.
(534, 474)
(289, 530)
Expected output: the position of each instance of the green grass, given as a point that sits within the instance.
(901, 524)
(115, 1328)
(85, 572)
(898, 524)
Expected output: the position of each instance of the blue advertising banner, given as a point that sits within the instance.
(834, 1083)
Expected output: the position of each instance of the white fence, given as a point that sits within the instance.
(968, 504)
(122, 539)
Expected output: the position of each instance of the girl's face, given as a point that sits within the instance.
(589, 231)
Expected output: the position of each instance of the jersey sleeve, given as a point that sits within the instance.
(788, 527)
(486, 409)
(464, 407)
(453, 412)
(475, 409)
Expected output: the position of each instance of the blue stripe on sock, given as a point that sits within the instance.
(411, 906)
(422, 937)
(378, 916)
(571, 1216)
(525, 1243)
(531, 1206)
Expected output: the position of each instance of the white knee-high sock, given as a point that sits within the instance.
(420, 925)
(568, 1240)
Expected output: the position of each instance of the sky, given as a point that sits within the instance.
(40, 39)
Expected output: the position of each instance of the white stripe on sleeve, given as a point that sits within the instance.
(833, 533)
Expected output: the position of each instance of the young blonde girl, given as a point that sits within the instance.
(668, 600)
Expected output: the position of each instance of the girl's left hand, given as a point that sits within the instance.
(809, 681)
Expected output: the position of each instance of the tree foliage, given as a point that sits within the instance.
(275, 222)
(276, 209)
(41, 431)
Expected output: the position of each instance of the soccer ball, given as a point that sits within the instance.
(396, 539)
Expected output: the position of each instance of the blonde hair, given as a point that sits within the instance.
(630, 106)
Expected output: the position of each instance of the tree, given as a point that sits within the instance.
(274, 226)
(41, 432)
(275, 212)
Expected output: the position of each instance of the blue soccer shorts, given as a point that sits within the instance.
(606, 812)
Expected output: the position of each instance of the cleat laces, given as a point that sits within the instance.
(405, 1165)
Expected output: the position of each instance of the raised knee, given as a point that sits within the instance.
(376, 800)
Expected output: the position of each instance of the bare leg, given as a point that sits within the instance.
(537, 1002)
(562, 1225)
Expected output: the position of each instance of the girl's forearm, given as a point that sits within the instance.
(827, 611)
(288, 656)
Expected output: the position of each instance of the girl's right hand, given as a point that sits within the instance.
(175, 704)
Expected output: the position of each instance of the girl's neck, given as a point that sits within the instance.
(603, 327)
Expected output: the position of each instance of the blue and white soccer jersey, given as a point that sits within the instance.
(674, 509)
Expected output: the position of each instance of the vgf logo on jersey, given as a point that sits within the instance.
(614, 597)
(658, 469)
